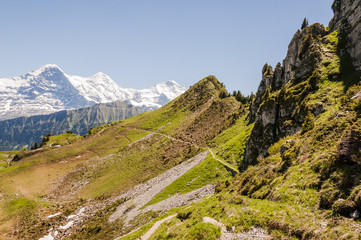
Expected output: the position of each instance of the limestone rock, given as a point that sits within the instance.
(355, 214)
(347, 20)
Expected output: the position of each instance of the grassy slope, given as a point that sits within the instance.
(104, 163)
(301, 192)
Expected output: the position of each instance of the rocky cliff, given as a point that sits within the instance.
(314, 54)
(347, 21)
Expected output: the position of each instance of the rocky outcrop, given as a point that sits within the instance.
(300, 48)
(278, 109)
(272, 79)
(290, 61)
(347, 20)
(303, 57)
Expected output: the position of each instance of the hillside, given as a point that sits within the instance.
(284, 164)
(25, 131)
(94, 170)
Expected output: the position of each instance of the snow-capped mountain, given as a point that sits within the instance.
(48, 89)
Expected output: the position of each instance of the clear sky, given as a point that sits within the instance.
(139, 43)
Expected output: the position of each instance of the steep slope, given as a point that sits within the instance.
(94, 170)
(299, 150)
(49, 89)
(25, 131)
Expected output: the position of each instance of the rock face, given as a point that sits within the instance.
(347, 20)
(279, 107)
(281, 114)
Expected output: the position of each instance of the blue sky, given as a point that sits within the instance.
(139, 43)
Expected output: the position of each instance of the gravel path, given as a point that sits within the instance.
(176, 201)
(143, 193)
(181, 200)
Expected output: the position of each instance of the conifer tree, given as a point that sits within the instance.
(304, 23)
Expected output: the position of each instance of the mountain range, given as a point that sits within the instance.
(48, 89)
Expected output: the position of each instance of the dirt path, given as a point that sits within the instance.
(148, 136)
(143, 193)
(253, 233)
(155, 227)
(230, 167)
(126, 138)
(223, 162)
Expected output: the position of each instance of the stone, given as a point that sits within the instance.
(340, 115)
(355, 214)
(287, 145)
(347, 15)
(357, 96)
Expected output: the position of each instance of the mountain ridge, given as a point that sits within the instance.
(21, 132)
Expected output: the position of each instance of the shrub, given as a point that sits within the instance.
(19, 155)
(184, 215)
(45, 140)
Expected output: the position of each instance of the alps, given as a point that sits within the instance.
(49, 89)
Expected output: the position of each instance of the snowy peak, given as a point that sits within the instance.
(49, 89)
(169, 88)
(100, 75)
(46, 70)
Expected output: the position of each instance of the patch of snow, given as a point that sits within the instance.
(68, 225)
(71, 216)
(47, 237)
(54, 215)
(50, 236)
(81, 211)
